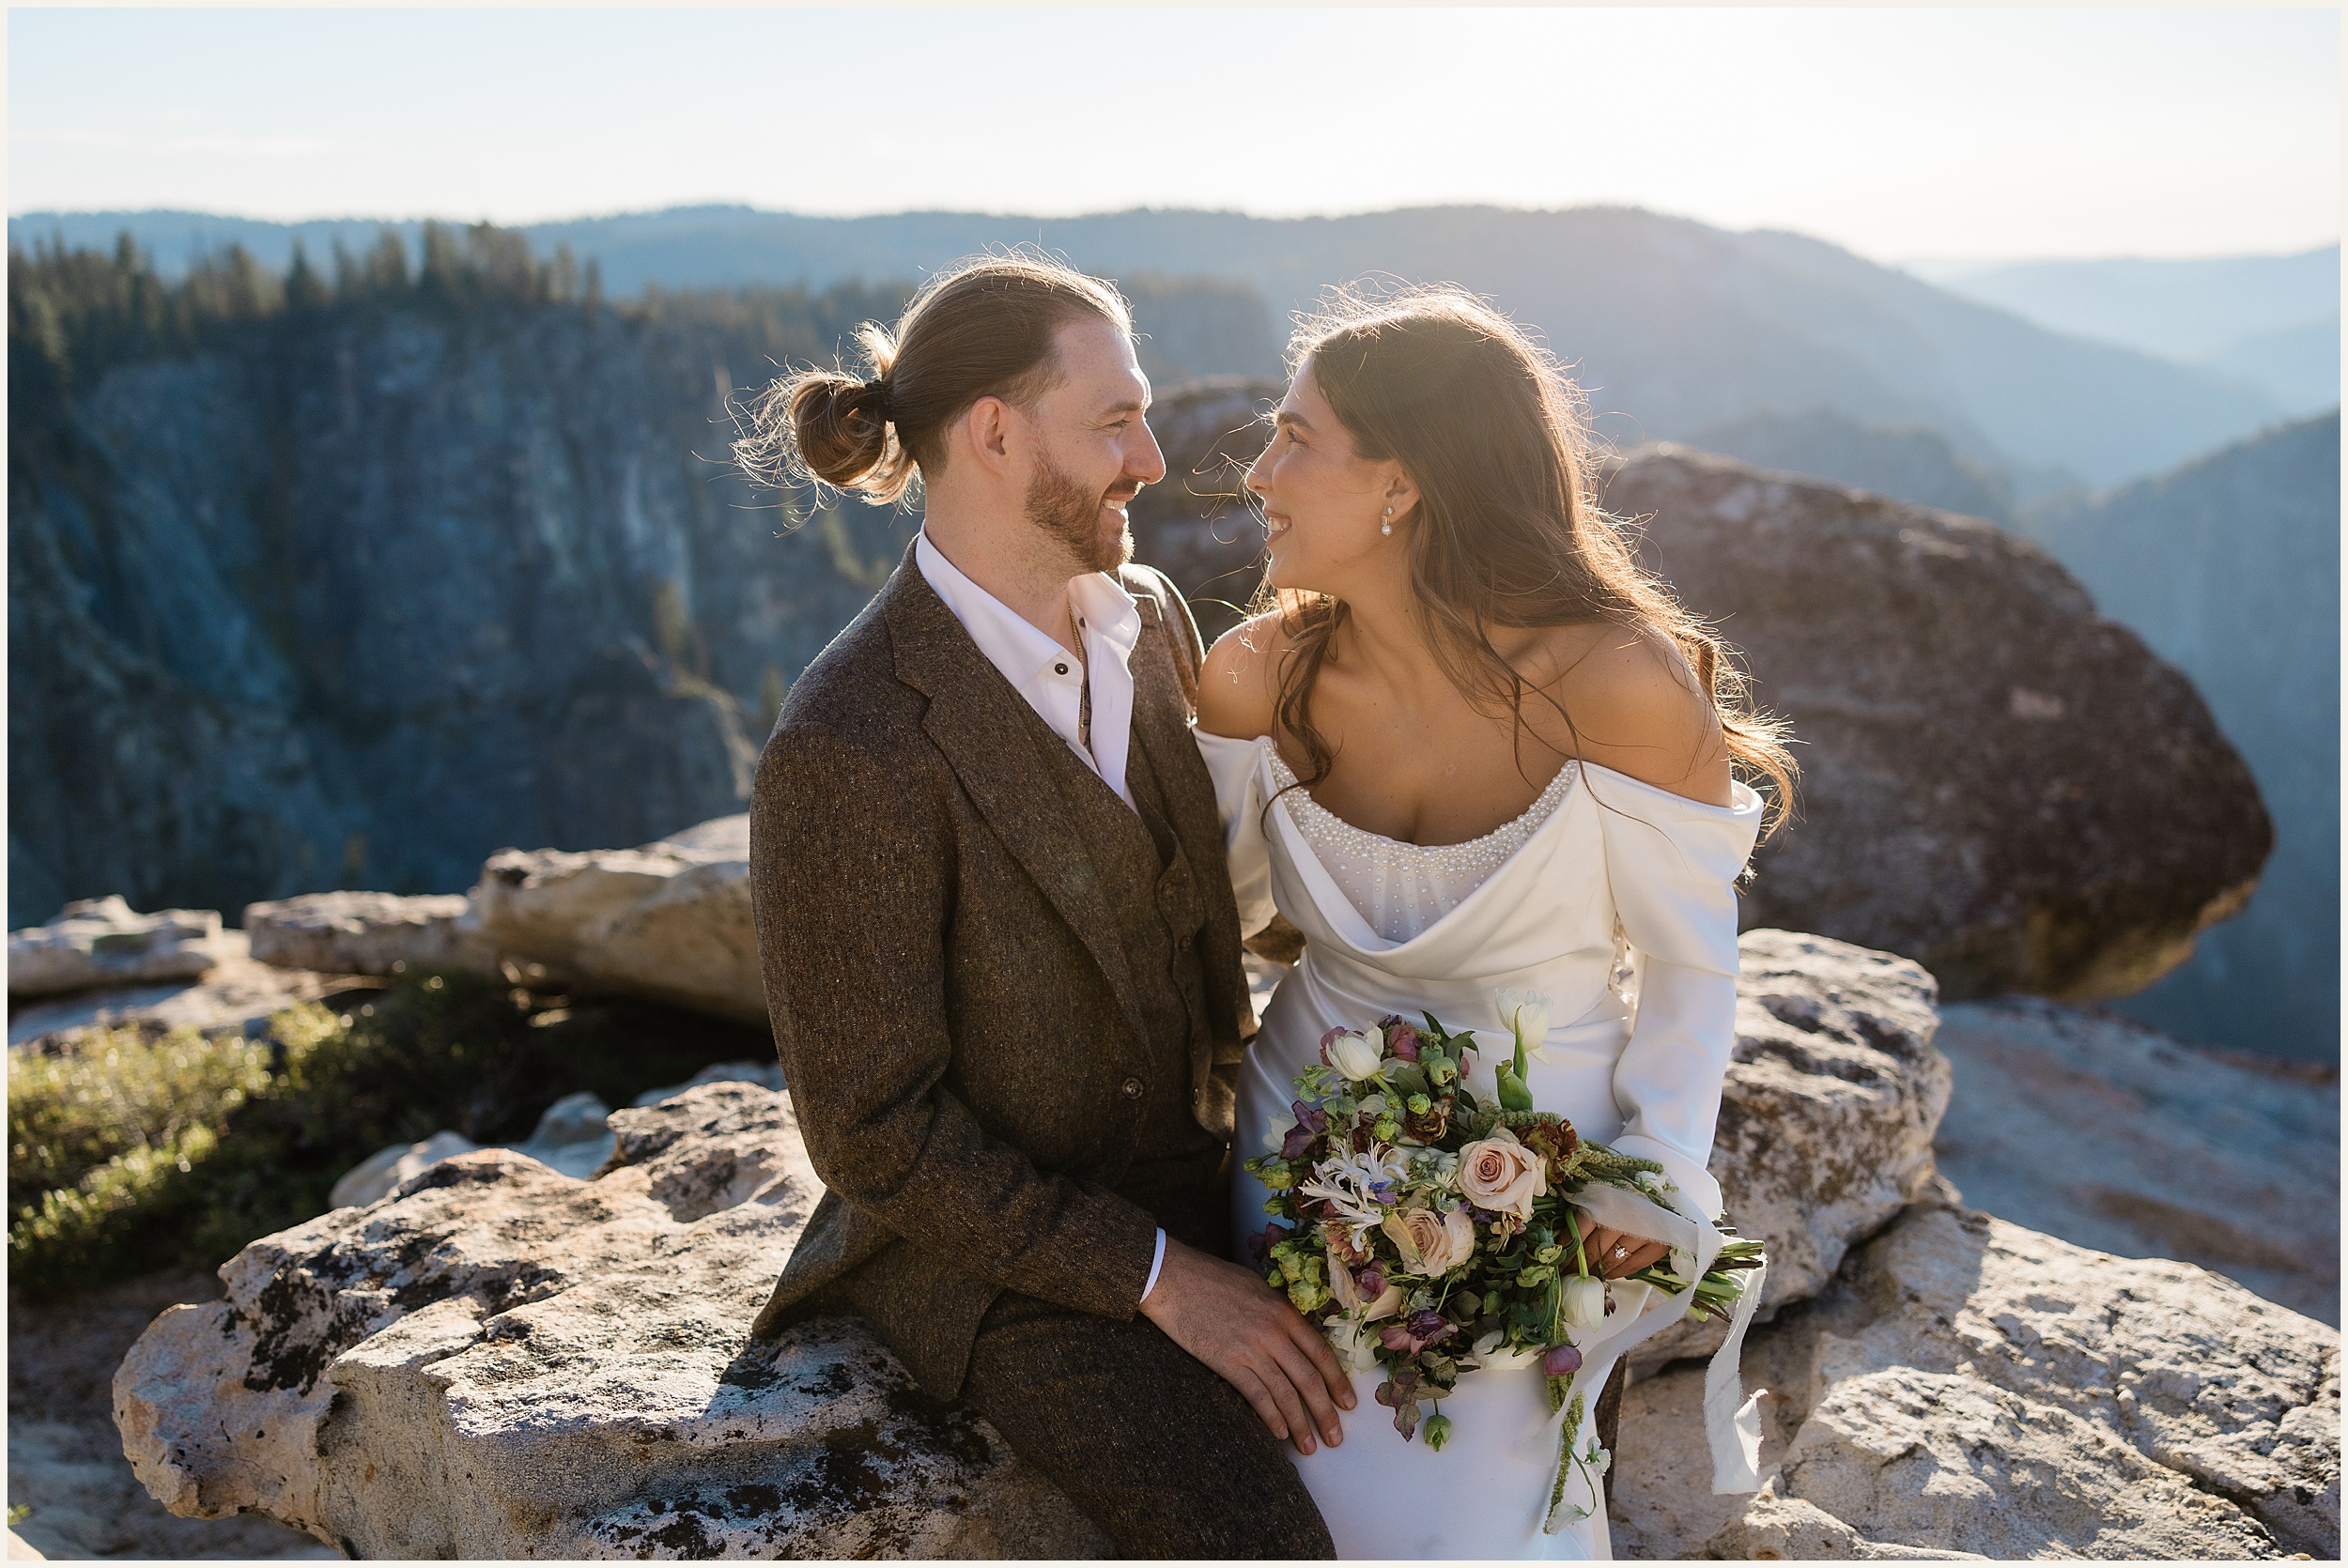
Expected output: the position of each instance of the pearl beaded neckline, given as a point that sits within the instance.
(1400, 889)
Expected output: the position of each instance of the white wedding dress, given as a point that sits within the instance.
(1617, 900)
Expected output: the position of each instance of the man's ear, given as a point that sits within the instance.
(988, 425)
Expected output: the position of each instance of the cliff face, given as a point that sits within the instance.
(359, 595)
(2230, 569)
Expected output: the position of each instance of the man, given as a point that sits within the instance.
(1000, 946)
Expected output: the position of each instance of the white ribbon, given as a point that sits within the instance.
(1732, 1421)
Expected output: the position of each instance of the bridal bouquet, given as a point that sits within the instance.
(1433, 1231)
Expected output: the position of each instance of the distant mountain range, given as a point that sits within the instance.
(1673, 326)
(2270, 321)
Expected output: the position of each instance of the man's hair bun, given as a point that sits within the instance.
(828, 426)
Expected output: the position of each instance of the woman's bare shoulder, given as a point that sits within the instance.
(1637, 707)
(1239, 688)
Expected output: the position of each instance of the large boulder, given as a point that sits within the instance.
(578, 1349)
(1969, 1387)
(2096, 1130)
(104, 942)
(1998, 782)
(671, 920)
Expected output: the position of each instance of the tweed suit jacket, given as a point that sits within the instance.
(948, 993)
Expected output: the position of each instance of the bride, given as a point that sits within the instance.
(1468, 744)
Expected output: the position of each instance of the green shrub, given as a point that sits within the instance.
(130, 1151)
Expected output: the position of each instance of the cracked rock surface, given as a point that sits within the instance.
(500, 1360)
(1969, 1387)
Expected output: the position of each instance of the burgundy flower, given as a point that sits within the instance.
(1373, 1283)
(1561, 1360)
(1401, 1039)
(1310, 1124)
(1417, 1331)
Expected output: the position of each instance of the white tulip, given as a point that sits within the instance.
(1524, 1015)
(1584, 1300)
(1356, 1055)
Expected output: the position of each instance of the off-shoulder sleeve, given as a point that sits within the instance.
(1239, 797)
(1672, 865)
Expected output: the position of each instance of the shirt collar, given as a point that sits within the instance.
(1010, 643)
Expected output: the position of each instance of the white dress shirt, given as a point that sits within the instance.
(1053, 680)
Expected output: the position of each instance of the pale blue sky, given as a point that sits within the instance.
(1901, 133)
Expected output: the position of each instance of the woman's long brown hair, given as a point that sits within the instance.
(1507, 532)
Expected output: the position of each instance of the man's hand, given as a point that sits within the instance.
(1250, 1337)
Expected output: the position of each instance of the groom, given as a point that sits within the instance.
(1000, 946)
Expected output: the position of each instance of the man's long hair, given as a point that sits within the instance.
(984, 327)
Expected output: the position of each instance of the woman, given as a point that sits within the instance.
(1468, 744)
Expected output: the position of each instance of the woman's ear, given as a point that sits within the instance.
(1401, 495)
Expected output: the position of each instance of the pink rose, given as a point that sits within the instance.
(1432, 1244)
(1502, 1176)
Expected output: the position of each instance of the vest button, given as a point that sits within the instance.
(1133, 1088)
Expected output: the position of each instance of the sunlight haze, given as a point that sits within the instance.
(1908, 133)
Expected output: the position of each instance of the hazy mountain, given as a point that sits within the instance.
(2182, 309)
(1911, 463)
(2229, 569)
(2270, 321)
(1674, 327)
(2296, 366)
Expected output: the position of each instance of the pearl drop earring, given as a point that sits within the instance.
(1387, 527)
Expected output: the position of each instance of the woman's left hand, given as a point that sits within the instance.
(1615, 1254)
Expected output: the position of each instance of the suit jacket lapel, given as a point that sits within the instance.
(978, 721)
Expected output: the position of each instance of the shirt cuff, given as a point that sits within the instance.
(1157, 1261)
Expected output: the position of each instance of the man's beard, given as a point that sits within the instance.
(1072, 515)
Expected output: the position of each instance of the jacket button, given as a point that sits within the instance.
(1181, 943)
(1133, 1088)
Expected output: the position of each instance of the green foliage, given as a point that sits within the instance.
(128, 1150)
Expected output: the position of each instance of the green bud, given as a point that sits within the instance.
(1438, 1431)
(1514, 1096)
(1305, 1295)
(1387, 1129)
(1418, 1105)
(1273, 1207)
(1281, 1180)
(1273, 1278)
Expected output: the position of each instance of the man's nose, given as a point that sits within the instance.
(1153, 465)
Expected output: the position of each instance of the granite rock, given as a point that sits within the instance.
(1967, 1386)
(671, 920)
(367, 933)
(104, 942)
(562, 1366)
